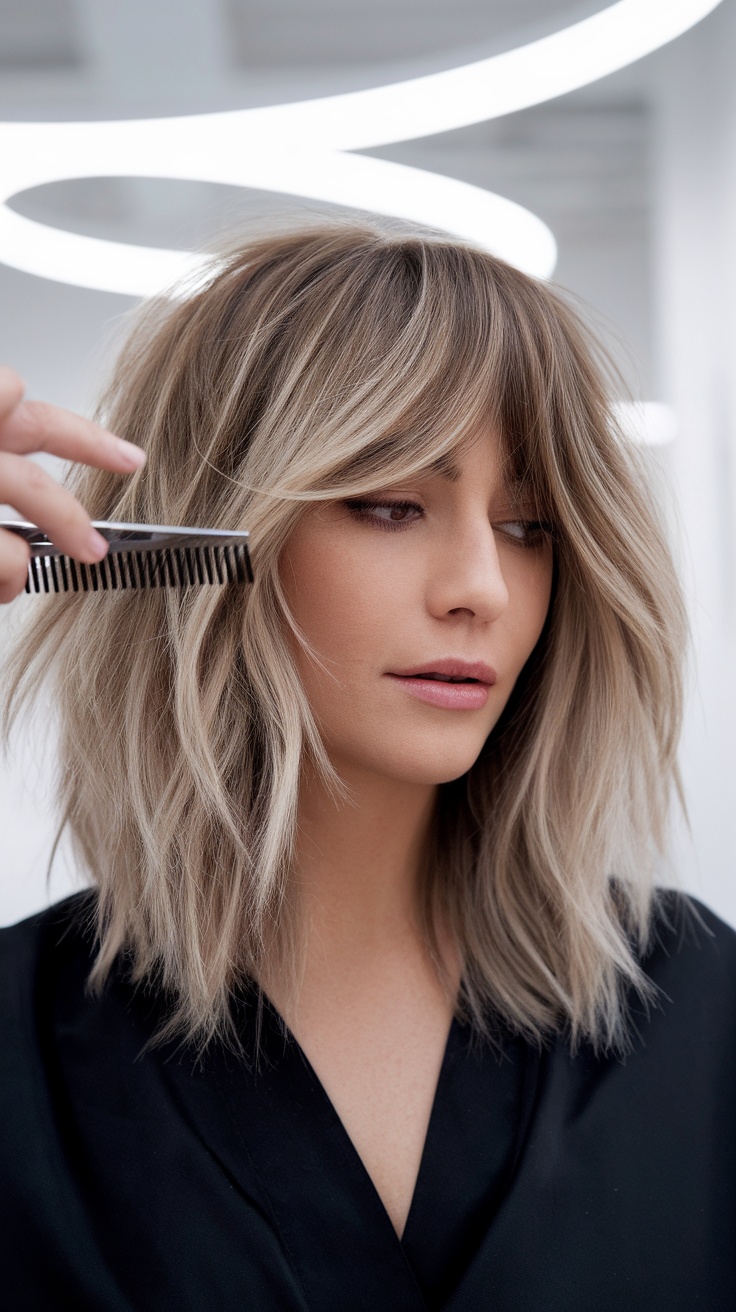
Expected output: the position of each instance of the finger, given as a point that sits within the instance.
(27, 487)
(11, 390)
(36, 426)
(14, 557)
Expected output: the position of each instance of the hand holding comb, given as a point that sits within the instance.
(139, 556)
(55, 547)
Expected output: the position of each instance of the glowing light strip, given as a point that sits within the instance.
(298, 149)
(489, 88)
(492, 221)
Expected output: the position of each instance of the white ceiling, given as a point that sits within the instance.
(276, 33)
(581, 162)
(38, 34)
(205, 52)
(281, 34)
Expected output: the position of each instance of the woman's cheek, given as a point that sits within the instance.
(357, 600)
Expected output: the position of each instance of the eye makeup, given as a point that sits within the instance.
(534, 532)
(397, 518)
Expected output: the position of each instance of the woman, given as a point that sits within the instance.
(373, 1004)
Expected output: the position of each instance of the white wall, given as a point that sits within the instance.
(695, 334)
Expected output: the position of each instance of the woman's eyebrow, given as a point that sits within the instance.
(514, 489)
(445, 467)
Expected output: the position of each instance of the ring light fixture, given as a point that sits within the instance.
(50, 152)
(302, 149)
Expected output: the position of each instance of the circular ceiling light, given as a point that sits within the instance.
(300, 149)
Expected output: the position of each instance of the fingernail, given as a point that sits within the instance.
(96, 544)
(133, 455)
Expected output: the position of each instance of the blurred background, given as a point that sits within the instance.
(635, 175)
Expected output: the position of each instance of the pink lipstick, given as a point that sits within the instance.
(453, 684)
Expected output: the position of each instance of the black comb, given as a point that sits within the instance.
(139, 556)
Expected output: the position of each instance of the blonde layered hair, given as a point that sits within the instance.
(322, 363)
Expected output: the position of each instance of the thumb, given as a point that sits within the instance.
(11, 391)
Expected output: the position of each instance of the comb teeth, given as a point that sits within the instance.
(167, 567)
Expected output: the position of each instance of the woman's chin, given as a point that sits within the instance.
(420, 769)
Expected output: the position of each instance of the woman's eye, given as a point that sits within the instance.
(527, 532)
(386, 514)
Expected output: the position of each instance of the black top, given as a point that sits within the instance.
(548, 1183)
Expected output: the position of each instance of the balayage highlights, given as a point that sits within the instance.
(323, 363)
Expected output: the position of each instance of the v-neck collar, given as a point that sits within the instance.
(279, 1137)
(476, 1134)
(280, 1140)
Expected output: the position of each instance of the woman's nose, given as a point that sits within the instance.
(466, 577)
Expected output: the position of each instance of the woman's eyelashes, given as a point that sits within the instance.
(393, 515)
(396, 514)
(526, 532)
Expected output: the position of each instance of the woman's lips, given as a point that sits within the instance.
(455, 696)
(451, 696)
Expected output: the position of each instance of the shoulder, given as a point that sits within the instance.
(73, 916)
(689, 940)
(692, 963)
(41, 947)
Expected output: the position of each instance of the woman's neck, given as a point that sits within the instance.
(371, 1013)
(358, 861)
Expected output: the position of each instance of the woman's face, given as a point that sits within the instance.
(427, 577)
